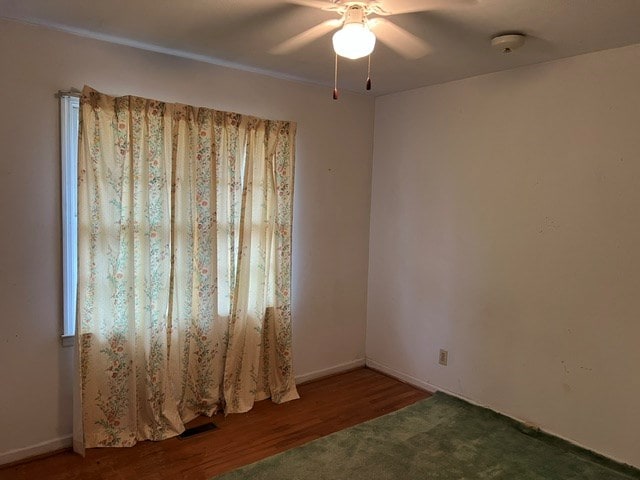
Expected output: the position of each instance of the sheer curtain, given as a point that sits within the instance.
(184, 269)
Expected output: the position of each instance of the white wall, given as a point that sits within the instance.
(505, 228)
(331, 209)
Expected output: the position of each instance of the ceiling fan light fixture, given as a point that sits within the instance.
(355, 39)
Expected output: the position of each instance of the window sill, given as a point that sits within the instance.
(68, 340)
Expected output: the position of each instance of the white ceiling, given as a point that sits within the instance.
(241, 32)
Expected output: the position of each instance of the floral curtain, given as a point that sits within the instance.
(184, 270)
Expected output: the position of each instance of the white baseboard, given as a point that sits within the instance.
(66, 442)
(35, 450)
(392, 372)
(431, 388)
(434, 388)
(343, 367)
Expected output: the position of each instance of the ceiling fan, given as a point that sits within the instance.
(363, 22)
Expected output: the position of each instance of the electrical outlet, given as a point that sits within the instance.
(443, 357)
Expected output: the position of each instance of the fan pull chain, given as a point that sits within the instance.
(335, 80)
(369, 74)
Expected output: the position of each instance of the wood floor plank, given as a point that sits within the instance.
(326, 406)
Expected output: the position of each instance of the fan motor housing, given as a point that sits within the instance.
(354, 14)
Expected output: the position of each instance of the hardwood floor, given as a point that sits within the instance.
(326, 406)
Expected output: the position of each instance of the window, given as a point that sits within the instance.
(69, 116)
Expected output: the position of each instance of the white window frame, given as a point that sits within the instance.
(69, 124)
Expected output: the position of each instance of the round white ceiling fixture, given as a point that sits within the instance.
(354, 40)
(508, 43)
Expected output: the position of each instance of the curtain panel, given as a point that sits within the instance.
(184, 273)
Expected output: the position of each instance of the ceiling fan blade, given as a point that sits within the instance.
(398, 39)
(305, 37)
(400, 7)
(322, 5)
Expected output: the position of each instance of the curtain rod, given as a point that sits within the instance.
(69, 93)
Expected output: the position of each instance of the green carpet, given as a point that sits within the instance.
(441, 438)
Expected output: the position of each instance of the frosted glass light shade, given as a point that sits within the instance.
(354, 40)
